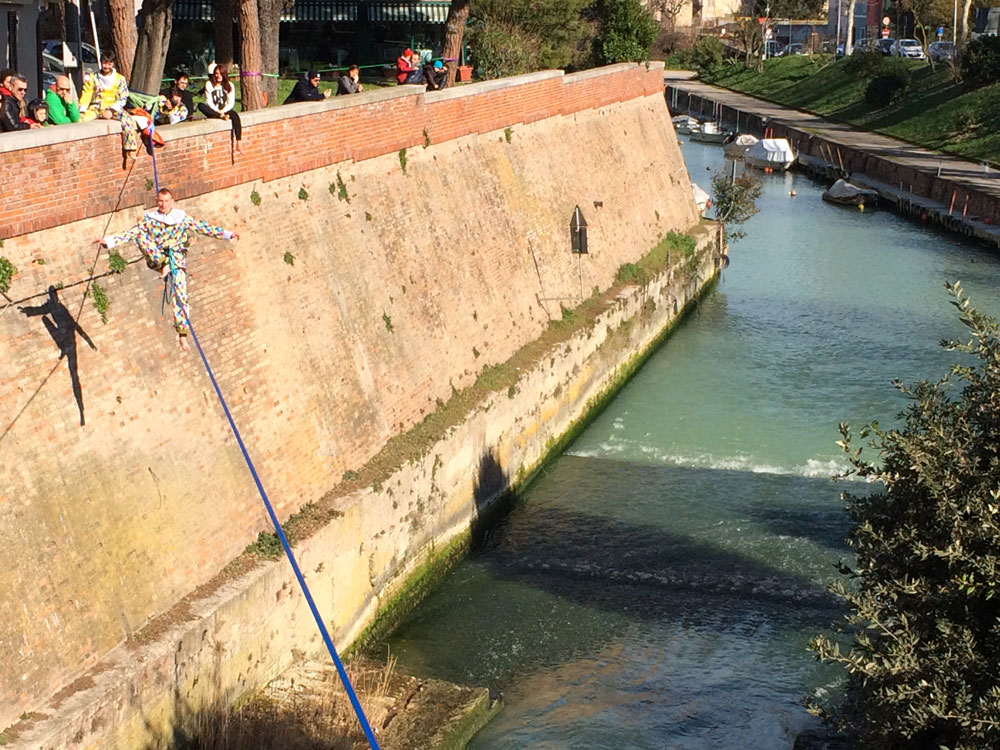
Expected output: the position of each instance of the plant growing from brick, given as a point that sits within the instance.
(289, 258)
(922, 591)
(402, 159)
(303, 195)
(341, 189)
(255, 198)
(116, 263)
(7, 271)
(368, 216)
(388, 321)
(100, 299)
(427, 139)
(508, 134)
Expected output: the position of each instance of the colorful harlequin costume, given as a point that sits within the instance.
(163, 240)
(109, 92)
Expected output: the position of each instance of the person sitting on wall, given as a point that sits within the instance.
(306, 89)
(37, 113)
(63, 109)
(171, 109)
(435, 75)
(182, 83)
(163, 236)
(12, 108)
(5, 75)
(220, 100)
(104, 96)
(408, 68)
(350, 82)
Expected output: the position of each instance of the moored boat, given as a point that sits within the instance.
(709, 132)
(770, 153)
(702, 199)
(738, 146)
(684, 124)
(845, 194)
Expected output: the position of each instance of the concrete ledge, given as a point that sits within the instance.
(497, 84)
(54, 134)
(585, 75)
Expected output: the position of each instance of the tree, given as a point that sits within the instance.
(269, 17)
(669, 10)
(735, 201)
(625, 31)
(454, 33)
(251, 62)
(123, 34)
(849, 39)
(223, 31)
(925, 639)
(155, 21)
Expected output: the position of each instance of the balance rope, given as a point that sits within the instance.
(348, 687)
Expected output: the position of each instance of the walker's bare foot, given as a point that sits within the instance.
(184, 344)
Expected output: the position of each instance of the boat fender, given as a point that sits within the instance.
(861, 206)
(723, 261)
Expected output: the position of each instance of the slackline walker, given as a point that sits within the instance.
(165, 250)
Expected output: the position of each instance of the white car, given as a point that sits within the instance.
(908, 48)
(53, 47)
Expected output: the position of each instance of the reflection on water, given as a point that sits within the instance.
(658, 585)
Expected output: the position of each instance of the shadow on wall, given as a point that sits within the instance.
(493, 497)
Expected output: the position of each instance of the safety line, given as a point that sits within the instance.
(288, 549)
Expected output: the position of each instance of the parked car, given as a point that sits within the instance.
(908, 48)
(884, 46)
(790, 49)
(941, 51)
(53, 47)
(771, 48)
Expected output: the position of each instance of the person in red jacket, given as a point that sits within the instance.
(408, 68)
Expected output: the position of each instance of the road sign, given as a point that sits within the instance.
(885, 21)
(885, 33)
(940, 31)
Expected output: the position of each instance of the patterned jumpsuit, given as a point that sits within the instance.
(109, 92)
(163, 240)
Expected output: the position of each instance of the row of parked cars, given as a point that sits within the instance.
(911, 48)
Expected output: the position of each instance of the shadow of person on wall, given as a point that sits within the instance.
(63, 328)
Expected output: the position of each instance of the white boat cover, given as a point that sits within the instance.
(739, 144)
(710, 128)
(701, 198)
(843, 190)
(771, 150)
(684, 118)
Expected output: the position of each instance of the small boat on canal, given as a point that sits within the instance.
(739, 145)
(685, 124)
(770, 153)
(844, 193)
(709, 132)
(702, 199)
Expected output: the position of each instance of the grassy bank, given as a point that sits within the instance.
(935, 112)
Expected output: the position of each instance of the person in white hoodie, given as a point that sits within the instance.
(220, 100)
(162, 235)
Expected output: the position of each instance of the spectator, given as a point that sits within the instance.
(220, 98)
(408, 68)
(435, 75)
(307, 90)
(183, 84)
(171, 109)
(59, 98)
(11, 111)
(38, 113)
(5, 75)
(104, 96)
(350, 82)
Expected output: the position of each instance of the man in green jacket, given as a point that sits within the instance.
(59, 98)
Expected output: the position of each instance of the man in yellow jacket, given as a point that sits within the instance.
(104, 95)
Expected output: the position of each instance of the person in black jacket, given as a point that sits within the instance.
(307, 90)
(183, 84)
(10, 110)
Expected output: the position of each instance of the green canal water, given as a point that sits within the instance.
(657, 585)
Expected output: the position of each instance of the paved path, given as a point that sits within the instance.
(968, 174)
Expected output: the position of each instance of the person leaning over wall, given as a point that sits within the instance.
(104, 96)
(350, 82)
(38, 112)
(12, 110)
(62, 107)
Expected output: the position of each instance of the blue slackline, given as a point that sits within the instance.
(362, 719)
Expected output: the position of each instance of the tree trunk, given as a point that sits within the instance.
(964, 35)
(224, 11)
(123, 34)
(269, 18)
(849, 41)
(250, 89)
(454, 33)
(155, 19)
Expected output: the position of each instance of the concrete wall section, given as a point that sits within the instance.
(398, 287)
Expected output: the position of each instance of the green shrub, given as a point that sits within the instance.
(626, 31)
(922, 592)
(863, 63)
(887, 86)
(707, 55)
(981, 61)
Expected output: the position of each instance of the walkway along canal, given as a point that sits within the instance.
(657, 585)
(960, 195)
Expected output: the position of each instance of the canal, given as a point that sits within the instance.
(656, 586)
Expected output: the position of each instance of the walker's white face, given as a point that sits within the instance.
(164, 202)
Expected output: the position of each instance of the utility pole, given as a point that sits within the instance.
(836, 47)
(954, 25)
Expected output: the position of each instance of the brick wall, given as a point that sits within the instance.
(394, 298)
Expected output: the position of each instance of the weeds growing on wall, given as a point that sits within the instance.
(101, 302)
(116, 263)
(341, 189)
(255, 198)
(402, 159)
(7, 272)
(289, 258)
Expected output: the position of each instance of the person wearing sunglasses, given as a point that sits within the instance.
(12, 109)
(63, 108)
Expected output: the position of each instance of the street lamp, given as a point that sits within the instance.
(836, 47)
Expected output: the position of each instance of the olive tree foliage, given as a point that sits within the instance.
(735, 201)
(923, 665)
(625, 33)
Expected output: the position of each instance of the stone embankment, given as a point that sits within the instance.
(383, 332)
(960, 195)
